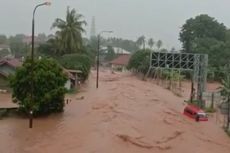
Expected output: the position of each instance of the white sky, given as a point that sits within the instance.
(160, 19)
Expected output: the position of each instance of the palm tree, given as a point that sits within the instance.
(141, 42)
(159, 44)
(69, 34)
(151, 43)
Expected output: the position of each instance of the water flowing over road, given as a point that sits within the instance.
(125, 115)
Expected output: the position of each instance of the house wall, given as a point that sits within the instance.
(68, 84)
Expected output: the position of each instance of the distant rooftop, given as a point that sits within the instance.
(11, 62)
(118, 50)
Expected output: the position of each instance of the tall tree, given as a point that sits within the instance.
(151, 43)
(159, 44)
(141, 42)
(69, 34)
(200, 27)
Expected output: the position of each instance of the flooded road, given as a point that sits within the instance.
(125, 115)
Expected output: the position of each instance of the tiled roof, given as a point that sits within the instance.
(11, 62)
(122, 59)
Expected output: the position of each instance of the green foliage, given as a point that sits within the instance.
(3, 39)
(49, 80)
(173, 75)
(194, 102)
(139, 61)
(201, 27)
(80, 62)
(49, 49)
(69, 36)
(205, 35)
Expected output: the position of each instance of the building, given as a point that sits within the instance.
(117, 50)
(120, 63)
(7, 67)
(5, 51)
(74, 79)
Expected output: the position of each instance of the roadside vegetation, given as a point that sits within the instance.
(65, 50)
(198, 38)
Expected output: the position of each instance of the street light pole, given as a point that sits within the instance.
(98, 53)
(32, 64)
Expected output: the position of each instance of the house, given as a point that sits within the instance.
(118, 50)
(120, 62)
(74, 78)
(7, 67)
(5, 51)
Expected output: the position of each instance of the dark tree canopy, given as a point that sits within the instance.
(205, 35)
(200, 27)
(126, 44)
(49, 81)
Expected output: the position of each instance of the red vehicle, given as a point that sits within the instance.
(195, 113)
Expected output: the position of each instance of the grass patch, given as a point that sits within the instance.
(194, 102)
(210, 110)
(73, 91)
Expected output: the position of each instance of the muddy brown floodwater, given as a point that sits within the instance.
(125, 115)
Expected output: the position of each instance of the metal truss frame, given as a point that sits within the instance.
(196, 63)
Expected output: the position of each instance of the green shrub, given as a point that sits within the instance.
(80, 62)
(139, 61)
(49, 80)
(210, 110)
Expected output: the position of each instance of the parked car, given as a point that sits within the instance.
(195, 112)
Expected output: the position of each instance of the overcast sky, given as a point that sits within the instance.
(160, 19)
